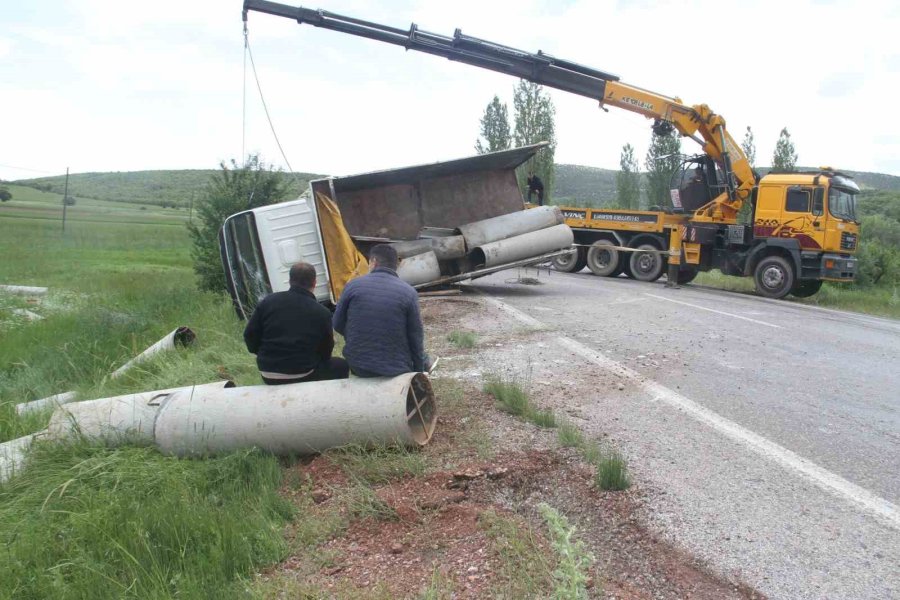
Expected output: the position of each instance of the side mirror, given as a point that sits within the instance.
(818, 205)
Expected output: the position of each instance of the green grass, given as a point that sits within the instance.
(568, 435)
(512, 397)
(878, 300)
(91, 522)
(612, 472)
(573, 559)
(526, 570)
(379, 464)
(86, 521)
(463, 339)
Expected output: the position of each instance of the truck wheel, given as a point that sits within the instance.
(572, 262)
(805, 289)
(774, 277)
(646, 266)
(602, 259)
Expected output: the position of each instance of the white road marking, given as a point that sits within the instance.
(712, 310)
(766, 448)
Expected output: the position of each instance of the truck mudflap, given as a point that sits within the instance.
(534, 260)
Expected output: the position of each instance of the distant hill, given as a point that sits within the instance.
(159, 188)
(575, 185)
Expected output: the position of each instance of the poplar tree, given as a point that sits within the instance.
(628, 180)
(535, 115)
(748, 145)
(495, 134)
(663, 158)
(785, 157)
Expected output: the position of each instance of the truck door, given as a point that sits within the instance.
(787, 212)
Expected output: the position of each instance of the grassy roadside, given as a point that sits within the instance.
(880, 301)
(85, 521)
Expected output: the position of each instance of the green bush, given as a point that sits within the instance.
(231, 190)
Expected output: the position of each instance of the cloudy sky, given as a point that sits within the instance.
(120, 85)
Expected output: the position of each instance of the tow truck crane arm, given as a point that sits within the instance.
(697, 122)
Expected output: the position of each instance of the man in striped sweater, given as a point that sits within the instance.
(378, 315)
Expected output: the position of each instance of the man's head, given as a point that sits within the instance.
(303, 276)
(383, 255)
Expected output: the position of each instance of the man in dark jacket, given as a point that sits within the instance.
(378, 315)
(290, 334)
(535, 186)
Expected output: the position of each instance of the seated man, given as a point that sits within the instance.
(378, 315)
(290, 333)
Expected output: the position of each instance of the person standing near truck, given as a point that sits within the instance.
(378, 315)
(535, 186)
(290, 334)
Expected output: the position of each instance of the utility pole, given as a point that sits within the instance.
(65, 199)
(191, 213)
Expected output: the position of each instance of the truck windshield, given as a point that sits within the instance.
(842, 204)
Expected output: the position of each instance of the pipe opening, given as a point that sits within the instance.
(184, 336)
(421, 412)
(477, 258)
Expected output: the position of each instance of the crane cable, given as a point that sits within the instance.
(249, 52)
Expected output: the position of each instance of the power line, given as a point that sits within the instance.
(25, 169)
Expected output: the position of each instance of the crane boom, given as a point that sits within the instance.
(698, 122)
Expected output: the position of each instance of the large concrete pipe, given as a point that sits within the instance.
(13, 454)
(523, 246)
(48, 402)
(449, 247)
(181, 336)
(128, 417)
(299, 418)
(510, 225)
(420, 268)
(23, 290)
(411, 248)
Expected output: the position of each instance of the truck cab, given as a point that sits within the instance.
(814, 216)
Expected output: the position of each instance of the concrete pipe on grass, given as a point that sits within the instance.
(182, 336)
(50, 401)
(129, 417)
(299, 418)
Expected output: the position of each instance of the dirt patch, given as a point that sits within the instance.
(482, 463)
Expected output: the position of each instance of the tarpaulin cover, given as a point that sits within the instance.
(345, 262)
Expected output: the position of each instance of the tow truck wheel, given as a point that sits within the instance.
(774, 277)
(572, 262)
(805, 289)
(646, 266)
(602, 258)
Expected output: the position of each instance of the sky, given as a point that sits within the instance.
(120, 85)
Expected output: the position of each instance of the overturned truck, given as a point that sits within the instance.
(449, 221)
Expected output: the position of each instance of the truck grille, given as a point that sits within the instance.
(848, 241)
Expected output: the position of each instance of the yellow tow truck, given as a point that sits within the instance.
(804, 227)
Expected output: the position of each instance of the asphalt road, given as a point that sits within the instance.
(765, 433)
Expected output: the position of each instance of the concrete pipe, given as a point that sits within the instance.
(510, 225)
(299, 418)
(420, 268)
(182, 336)
(411, 248)
(523, 246)
(48, 402)
(13, 454)
(450, 247)
(127, 417)
(23, 290)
